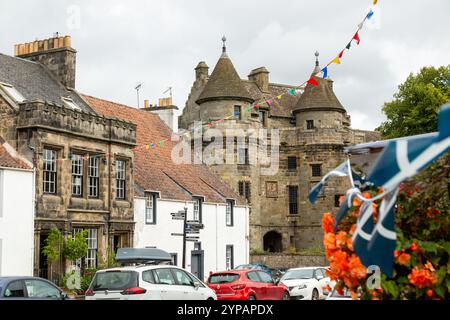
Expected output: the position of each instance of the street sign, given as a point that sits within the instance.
(194, 225)
(177, 234)
(192, 231)
(192, 238)
(177, 218)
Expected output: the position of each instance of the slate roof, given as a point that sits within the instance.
(154, 168)
(35, 82)
(9, 158)
(320, 96)
(224, 83)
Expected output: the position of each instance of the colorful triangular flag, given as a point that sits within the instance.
(370, 14)
(349, 45)
(325, 72)
(356, 37)
(279, 97)
(313, 81)
(341, 54)
(336, 60)
(292, 91)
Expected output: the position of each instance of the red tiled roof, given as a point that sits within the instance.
(154, 168)
(10, 159)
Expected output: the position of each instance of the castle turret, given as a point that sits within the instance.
(224, 92)
(318, 107)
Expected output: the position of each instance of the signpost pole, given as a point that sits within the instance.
(184, 237)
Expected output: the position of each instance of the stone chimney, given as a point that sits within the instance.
(201, 71)
(165, 110)
(261, 77)
(55, 53)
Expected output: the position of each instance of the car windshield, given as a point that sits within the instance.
(114, 280)
(298, 274)
(223, 278)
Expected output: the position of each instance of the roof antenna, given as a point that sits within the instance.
(137, 88)
(168, 90)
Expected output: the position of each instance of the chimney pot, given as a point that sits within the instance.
(146, 104)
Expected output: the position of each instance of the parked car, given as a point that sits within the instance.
(306, 283)
(147, 282)
(275, 273)
(29, 288)
(247, 285)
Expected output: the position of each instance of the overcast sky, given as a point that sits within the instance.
(159, 43)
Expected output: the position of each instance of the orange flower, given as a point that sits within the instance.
(396, 253)
(404, 258)
(341, 239)
(329, 241)
(429, 266)
(414, 246)
(367, 195)
(328, 222)
(430, 293)
(356, 202)
(357, 269)
(422, 278)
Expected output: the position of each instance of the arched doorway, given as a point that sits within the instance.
(273, 242)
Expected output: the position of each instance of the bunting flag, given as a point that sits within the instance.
(292, 91)
(348, 46)
(279, 97)
(375, 2)
(270, 101)
(336, 60)
(356, 37)
(325, 72)
(346, 205)
(370, 14)
(341, 54)
(312, 81)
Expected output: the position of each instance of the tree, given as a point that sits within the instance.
(53, 246)
(416, 105)
(76, 247)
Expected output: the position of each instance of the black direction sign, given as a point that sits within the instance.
(192, 238)
(177, 234)
(194, 225)
(191, 231)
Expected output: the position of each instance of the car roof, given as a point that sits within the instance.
(142, 267)
(239, 271)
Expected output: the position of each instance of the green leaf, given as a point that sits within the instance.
(429, 246)
(440, 291)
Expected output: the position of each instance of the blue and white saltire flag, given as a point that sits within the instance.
(375, 244)
(405, 157)
(342, 170)
(345, 206)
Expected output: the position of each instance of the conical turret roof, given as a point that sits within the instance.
(224, 83)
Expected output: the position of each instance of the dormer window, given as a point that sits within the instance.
(12, 92)
(70, 103)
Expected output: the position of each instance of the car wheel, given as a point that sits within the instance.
(251, 297)
(315, 295)
(210, 299)
(286, 296)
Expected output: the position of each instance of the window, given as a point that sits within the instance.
(243, 156)
(14, 290)
(77, 175)
(262, 118)
(229, 213)
(316, 170)
(120, 179)
(229, 257)
(147, 276)
(182, 278)
(94, 177)
(253, 276)
(49, 178)
(174, 257)
(266, 278)
(164, 276)
(70, 103)
(238, 112)
(197, 210)
(309, 124)
(337, 197)
(292, 163)
(92, 241)
(150, 208)
(12, 92)
(244, 190)
(293, 199)
(41, 289)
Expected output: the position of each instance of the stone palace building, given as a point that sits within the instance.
(313, 128)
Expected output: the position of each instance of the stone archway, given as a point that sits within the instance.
(273, 242)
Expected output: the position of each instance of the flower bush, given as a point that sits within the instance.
(422, 255)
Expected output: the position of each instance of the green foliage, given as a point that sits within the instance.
(416, 105)
(258, 252)
(77, 247)
(312, 250)
(53, 245)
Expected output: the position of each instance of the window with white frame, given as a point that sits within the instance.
(197, 210)
(243, 156)
(92, 242)
(12, 92)
(94, 177)
(150, 208)
(77, 175)
(229, 213)
(229, 256)
(49, 172)
(120, 179)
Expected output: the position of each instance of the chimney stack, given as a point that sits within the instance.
(201, 71)
(261, 77)
(55, 53)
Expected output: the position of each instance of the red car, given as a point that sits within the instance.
(247, 285)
